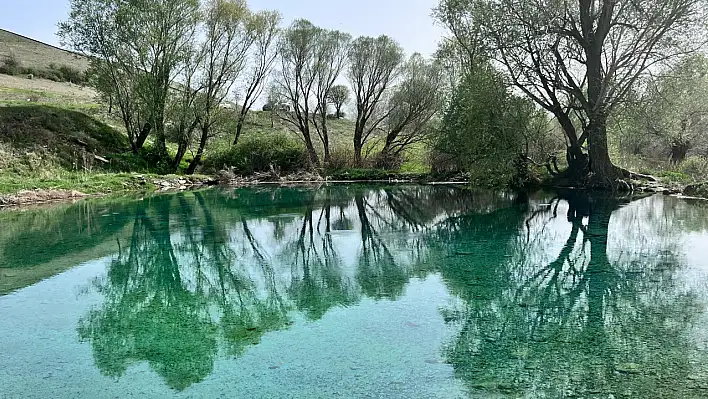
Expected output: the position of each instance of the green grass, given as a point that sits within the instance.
(259, 124)
(37, 55)
(62, 136)
(88, 183)
(47, 147)
(693, 169)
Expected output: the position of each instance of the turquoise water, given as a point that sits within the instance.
(356, 291)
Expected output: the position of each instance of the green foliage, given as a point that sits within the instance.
(696, 167)
(374, 63)
(11, 65)
(65, 138)
(671, 177)
(667, 115)
(136, 47)
(257, 153)
(362, 174)
(338, 95)
(484, 129)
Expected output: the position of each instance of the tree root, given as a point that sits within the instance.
(628, 174)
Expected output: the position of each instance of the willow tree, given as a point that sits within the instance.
(578, 60)
(415, 101)
(670, 110)
(296, 78)
(136, 48)
(227, 39)
(338, 96)
(374, 64)
(264, 28)
(330, 59)
(311, 60)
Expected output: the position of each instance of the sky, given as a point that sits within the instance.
(407, 21)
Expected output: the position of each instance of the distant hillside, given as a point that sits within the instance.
(37, 55)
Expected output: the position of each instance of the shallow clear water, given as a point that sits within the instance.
(356, 291)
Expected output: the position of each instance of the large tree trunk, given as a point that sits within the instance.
(142, 136)
(604, 173)
(240, 123)
(160, 140)
(159, 123)
(601, 167)
(679, 149)
(314, 159)
(200, 152)
(183, 144)
(358, 144)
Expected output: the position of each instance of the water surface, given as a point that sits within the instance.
(356, 291)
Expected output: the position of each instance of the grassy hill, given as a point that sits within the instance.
(57, 135)
(37, 55)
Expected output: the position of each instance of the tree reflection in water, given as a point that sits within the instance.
(599, 310)
(593, 320)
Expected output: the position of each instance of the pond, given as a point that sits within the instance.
(356, 291)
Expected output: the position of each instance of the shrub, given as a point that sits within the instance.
(388, 161)
(48, 74)
(674, 177)
(341, 158)
(362, 174)
(11, 65)
(696, 167)
(257, 153)
(69, 74)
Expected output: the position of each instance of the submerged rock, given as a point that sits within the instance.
(628, 368)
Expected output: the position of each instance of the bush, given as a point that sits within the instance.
(362, 174)
(696, 167)
(341, 158)
(45, 74)
(388, 161)
(674, 177)
(257, 153)
(11, 65)
(69, 74)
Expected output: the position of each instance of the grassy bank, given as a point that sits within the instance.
(51, 144)
(44, 147)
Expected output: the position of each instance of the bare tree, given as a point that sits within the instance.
(671, 106)
(264, 27)
(330, 57)
(416, 100)
(182, 108)
(310, 62)
(579, 59)
(225, 47)
(338, 96)
(374, 64)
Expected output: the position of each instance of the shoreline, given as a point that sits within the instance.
(142, 184)
(147, 184)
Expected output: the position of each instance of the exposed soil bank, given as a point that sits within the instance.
(141, 184)
(31, 197)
